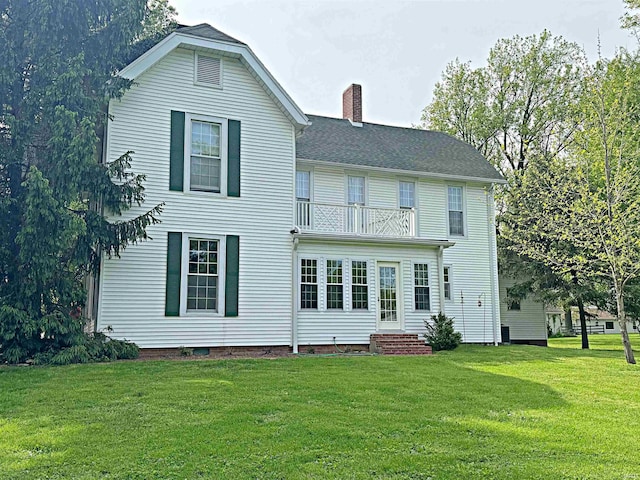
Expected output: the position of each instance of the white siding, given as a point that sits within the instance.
(318, 327)
(133, 287)
(471, 267)
(382, 192)
(328, 186)
(469, 258)
(528, 323)
(432, 209)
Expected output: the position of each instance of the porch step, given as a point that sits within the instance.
(398, 344)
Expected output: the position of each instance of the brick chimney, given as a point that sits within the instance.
(352, 103)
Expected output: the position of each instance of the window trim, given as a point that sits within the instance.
(317, 284)
(224, 134)
(295, 183)
(184, 267)
(366, 285)
(415, 193)
(195, 71)
(511, 304)
(348, 174)
(413, 285)
(463, 188)
(450, 282)
(326, 284)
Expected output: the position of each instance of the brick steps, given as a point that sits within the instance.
(398, 344)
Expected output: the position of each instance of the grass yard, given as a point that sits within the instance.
(478, 412)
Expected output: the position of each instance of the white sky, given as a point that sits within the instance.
(395, 49)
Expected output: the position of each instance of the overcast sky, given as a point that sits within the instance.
(395, 49)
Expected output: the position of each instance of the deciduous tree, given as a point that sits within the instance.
(585, 220)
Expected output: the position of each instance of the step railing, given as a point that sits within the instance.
(355, 219)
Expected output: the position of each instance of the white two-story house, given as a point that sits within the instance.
(288, 230)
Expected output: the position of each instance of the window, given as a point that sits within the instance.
(608, 325)
(359, 288)
(334, 284)
(355, 190)
(303, 186)
(407, 195)
(447, 283)
(512, 304)
(203, 275)
(456, 211)
(205, 163)
(308, 283)
(421, 286)
(303, 197)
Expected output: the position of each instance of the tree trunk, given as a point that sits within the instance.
(583, 325)
(622, 320)
(568, 323)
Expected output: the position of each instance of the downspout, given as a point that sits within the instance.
(493, 259)
(294, 299)
(96, 278)
(441, 277)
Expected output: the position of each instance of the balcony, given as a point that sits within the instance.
(314, 217)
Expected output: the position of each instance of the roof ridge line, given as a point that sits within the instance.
(377, 124)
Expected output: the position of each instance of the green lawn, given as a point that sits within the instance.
(478, 412)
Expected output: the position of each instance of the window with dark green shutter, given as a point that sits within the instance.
(206, 161)
(176, 151)
(233, 159)
(232, 276)
(174, 260)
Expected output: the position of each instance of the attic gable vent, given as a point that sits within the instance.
(208, 71)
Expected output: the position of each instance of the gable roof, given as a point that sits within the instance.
(436, 154)
(204, 30)
(204, 37)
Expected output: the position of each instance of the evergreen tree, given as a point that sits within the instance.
(58, 203)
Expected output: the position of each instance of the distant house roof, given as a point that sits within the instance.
(204, 30)
(336, 140)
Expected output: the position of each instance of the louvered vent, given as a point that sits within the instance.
(208, 71)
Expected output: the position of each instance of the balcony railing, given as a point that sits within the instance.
(355, 219)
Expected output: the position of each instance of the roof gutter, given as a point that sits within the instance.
(372, 240)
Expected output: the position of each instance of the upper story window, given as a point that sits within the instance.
(407, 195)
(456, 210)
(205, 159)
(303, 186)
(355, 190)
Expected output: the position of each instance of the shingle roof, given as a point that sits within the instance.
(372, 145)
(205, 30)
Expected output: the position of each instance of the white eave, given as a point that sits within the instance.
(243, 52)
(371, 240)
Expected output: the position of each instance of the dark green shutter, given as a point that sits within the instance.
(233, 157)
(231, 276)
(174, 254)
(176, 152)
